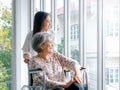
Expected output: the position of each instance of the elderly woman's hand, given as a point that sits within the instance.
(78, 75)
(67, 84)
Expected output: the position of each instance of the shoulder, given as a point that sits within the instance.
(34, 62)
(57, 54)
(33, 59)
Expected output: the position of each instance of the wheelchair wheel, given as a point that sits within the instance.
(26, 87)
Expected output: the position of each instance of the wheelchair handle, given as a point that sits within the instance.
(82, 68)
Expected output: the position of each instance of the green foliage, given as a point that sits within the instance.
(5, 58)
(3, 73)
(74, 51)
(6, 18)
(3, 87)
(6, 24)
(60, 48)
(5, 68)
(5, 35)
(3, 76)
(5, 46)
(75, 54)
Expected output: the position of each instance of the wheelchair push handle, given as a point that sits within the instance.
(82, 68)
(35, 70)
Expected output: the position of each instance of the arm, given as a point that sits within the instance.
(37, 78)
(26, 47)
(71, 65)
(66, 62)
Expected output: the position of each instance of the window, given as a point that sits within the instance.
(112, 76)
(88, 31)
(111, 43)
(111, 29)
(74, 32)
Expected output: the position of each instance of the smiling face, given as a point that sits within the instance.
(48, 46)
(46, 24)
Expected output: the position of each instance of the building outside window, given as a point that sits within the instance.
(83, 34)
(74, 32)
(112, 76)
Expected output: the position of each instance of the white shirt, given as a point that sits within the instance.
(27, 48)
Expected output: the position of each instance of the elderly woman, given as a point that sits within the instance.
(53, 64)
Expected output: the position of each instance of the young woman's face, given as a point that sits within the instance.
(47, 23)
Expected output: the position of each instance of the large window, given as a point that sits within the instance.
(5, 44)
(111, 13)
(88, 31)
(91, 42)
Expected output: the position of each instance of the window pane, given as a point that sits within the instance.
(74, 30)
(5, 44)
(111, 13)
(48, 6)
(90, 41)
(36, 5)
(60, 26)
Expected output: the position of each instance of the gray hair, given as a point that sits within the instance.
(38, 39)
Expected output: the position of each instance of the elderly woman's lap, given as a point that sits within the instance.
(75, 86)
(58, 88)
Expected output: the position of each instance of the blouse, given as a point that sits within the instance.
(54, 69)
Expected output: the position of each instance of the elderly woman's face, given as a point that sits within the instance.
(48, 46)
(47, 23)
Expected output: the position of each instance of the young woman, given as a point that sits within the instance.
(42, 23)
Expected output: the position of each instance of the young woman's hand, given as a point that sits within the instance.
(26, 58)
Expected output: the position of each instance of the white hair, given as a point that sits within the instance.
(38, 39)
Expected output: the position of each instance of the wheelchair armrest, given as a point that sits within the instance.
(82, 68)
(35, 70)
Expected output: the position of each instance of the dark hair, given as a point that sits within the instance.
(38, 21)
(38, 39)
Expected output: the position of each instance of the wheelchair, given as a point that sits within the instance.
(43, 87)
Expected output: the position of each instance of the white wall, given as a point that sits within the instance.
(21, 25)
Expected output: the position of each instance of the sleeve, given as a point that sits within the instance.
(67, 63)
(26, 45)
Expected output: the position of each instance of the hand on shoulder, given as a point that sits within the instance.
(26, 57)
